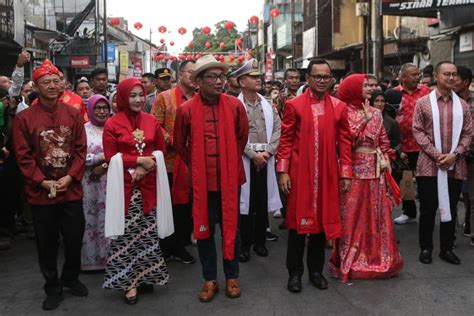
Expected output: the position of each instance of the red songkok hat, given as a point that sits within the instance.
(47, 68)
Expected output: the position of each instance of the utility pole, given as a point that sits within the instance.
(293, 40)
(377, 39)
(151, 59)
(104, 32)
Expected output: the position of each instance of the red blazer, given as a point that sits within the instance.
(183, 139)
(288, 151)
(118, 137)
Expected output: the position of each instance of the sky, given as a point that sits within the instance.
(186, 13)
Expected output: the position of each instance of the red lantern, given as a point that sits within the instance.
(231, 58)
(162, 41)
(274, 13)
(197, 56)
(156, 58)
(238, 42)
(206, 30)
(138, 25)
(115, 21)
(208, 45)
(241, 58)
(182, 57)
(222, 45)
(229, 25)
(162, 29)
(189, 57)
(249, 57)
(166, 58)
(253, 19)
(182, 30)
(191, 45)
(222, 58)
(216, 57)
(172, 43)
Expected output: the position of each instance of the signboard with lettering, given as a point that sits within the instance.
(427, 8)
(80, 61)
(466, 41)
(110, 52)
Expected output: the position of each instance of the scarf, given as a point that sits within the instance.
(307, 211)
(123, 102)
(350, 90)
(442, 179)
(228, 174)
(115, 209)
(90, 108)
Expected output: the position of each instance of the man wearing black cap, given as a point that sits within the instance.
(259, 194)
(232, 86)
(163, 79)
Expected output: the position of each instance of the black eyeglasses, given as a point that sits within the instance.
(214, 77)
(320, 78)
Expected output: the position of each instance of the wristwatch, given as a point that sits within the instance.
(457, 154)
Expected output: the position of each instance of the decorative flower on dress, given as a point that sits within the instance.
(139, 137)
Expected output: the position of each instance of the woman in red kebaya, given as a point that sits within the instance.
(131, 140)
(367, 248)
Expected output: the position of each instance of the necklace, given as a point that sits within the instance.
(139, 137)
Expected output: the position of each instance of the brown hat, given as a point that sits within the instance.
(207, 62)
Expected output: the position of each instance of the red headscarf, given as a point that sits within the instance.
(350, 90)
(47, 68)
(123, 103)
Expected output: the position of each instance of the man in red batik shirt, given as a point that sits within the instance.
(50, 145)
(411, 91)
(314, 129)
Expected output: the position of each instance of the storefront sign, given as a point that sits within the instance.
(123, 63)
(466, 41)
(399, 7)
(80, 61)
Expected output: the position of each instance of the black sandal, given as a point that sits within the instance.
(130, 300)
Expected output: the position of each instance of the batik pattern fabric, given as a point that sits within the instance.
(94, 245)
(368, 247)
(135, 258)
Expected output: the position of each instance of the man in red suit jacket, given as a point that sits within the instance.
(210, 134)
(315, 135)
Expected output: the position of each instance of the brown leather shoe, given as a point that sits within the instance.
(232, 288)
(208, 291)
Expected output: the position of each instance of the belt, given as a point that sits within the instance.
(258, 147)
(381, 161)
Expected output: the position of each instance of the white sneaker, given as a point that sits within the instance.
(404, 219)
(277, 214)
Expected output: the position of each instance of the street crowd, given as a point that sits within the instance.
(127, 177)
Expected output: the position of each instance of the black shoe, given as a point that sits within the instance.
(77, 288)
(260, 251)
(130, 300)
(52, 302)
(184, 256)
(294, 284)
(244, 256)
(425, 256)
(449, 257)
(271, 236)
(319, 281)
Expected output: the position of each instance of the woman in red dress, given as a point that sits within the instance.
(367, 248)
(134, 258)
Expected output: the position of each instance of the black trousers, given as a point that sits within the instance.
(183, 227)
(49, 221)
(207, 247)
(428, 194)
(254, 225)
(314, 257)
(409, 207)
